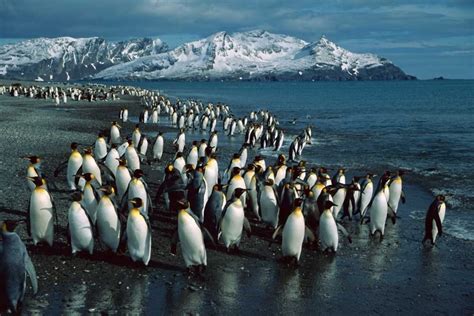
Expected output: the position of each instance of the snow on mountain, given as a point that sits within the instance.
(256, 55)
(67, 58)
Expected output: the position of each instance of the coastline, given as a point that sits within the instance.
(396, 276)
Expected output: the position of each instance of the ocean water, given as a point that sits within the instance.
(423, 127)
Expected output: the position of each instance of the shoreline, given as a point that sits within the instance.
(408, 277)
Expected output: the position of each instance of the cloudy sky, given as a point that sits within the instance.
(426, 38)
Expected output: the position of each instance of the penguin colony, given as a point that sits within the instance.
(112, 206)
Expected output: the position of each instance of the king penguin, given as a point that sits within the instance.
(233, 221)
(434, 219)
(328, 235)
(41, 214)
(15, 264)
(138, 233)
(268, 204)
(108, 221)
(80, 226)
(73, 165)
(214, 207)
(378, 209)
(158, 147)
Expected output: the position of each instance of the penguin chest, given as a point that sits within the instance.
(100, 148)
(293, 235)
(138, 238)
(80, 229)
(269, 206)
(122, 180)
(41, 216)
(328, 235)
(192, 242)
(232, 224)
(395, 193)
(441, 213)
(158, 148)
(111, 161)
(73, 165)
(133, 161)
(115, 135)
(378, 212)
(338, 198)
(90, 166)
(108, 224)
(192, 158)
(366, 196)
(90, 202)
(236, 182)
(137, 190)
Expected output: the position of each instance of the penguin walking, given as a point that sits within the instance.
(111, 160)
(328, 235)
(396, 193)
(41, 214)
(108, 221)
(268, 204)
(138, 233)
(434, 219)
(190, 235)
(15, 264)
(100, 148)
(367, 189)
(197, 193)
(80, 226)
(233, 221)
(378, 209)
(73, 165)
(293, 233)
(214, 207)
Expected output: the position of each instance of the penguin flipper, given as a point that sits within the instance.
(208, 236)
(174, 242)
(107, 172)
(277, 232)
(392, 214)
(247, 227)
(344, 232)
(60, 168)
(30, 269)
(403, 197)
(28, 222)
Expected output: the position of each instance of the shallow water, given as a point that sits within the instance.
(424, 127)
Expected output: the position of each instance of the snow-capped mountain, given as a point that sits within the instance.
(67, 58)
(256, 55)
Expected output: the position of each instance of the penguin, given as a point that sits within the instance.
(293, 233)
(292, 150)
(115, 134)
(172, 188)
(233, 221)
(100, 147)
(235, 182)
(125, 115)
(202, 148)
(138, 233)
(396, 193)
(378, 209)
(34, 170)
(142, 147)
(73, 164)
(279, 141)
(190, 235)
(131, 156)
(243, 154)
(111, 160)
(158, 147)
(214, 207)
(338, 192)
(41, 214)
(15, 264)
(268, 204)
(328, 235)
(234, 163)
(434, 219)
(136, 134)
(367, 189)
(122, 178)
(138, 188)
(89, 165)
(213, 141)
(211, 173)
(352, 198)
(91, 197)
(108, 221)
(180, 141)
(287, 200)
(193, 156)
(80, 226)
(197, 192)
(339, 177)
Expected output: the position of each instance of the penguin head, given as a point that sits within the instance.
(138, 173)
(298, 202)
(169, 168)
(136, 202)
(355, 179)
(74, 146)
(182, 204)
(218, 187)
(76, 196)
(33, 159)
(88, 176)
(88, 151)
(238, 192)
(203, 141)
(401, 172)
(8, 226)
(122, 161)
(195, 143)
(328, 204)
(236, 156)
(441, 198)
(251, 167)
(108, 190)
(281, 159)
(113, 146)
(100, 135)
(36, 180)
(235, 171)
(137, 127)
(269, 182)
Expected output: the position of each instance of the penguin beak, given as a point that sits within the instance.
(30, 178)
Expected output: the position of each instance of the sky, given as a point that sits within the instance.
(426, 38)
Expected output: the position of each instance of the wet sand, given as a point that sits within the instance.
(398, 275)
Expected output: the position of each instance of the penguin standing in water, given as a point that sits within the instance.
(190, 235)
(233, 221)
(80, 226)
(214, 207)
(434, 219)
(15, 264)
(138, 233)
(378, 208)
(367, 189)
(41, 214)
(328, 235)
(108, 220)
(73, 165)
(396, 192)
(293, 233)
